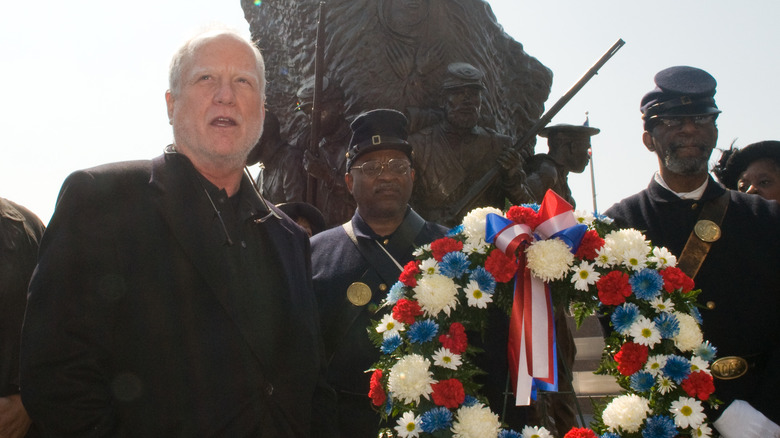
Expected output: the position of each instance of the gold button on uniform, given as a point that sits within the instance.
(710, 305)
(383, 287)
(385, 242)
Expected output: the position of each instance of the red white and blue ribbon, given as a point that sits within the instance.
(531, 347)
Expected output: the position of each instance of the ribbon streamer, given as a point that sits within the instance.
(531, 347)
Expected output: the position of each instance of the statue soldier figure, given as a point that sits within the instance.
(282, 177)
(569, 145)
(455, 152)
(328, 165)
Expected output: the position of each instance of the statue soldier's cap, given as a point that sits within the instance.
(306, 210)
(680, 91)
(305, 94)
(462, 74)
(377, 130)
(569, 129)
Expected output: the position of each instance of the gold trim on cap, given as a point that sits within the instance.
(359, 293)
(729, 368)
(707, 231)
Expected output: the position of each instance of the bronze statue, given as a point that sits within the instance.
(451, 154)
(328, 162)
(281, 177)
(568, 152)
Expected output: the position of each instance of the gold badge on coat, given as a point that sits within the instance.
(728, 368)
(359, 293)
(707, 231)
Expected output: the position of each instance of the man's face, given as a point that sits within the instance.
(217, 113)
(575, 148)
(683, 149)
(462, 105)
(383, 196)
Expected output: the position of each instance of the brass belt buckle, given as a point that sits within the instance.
(729, 368)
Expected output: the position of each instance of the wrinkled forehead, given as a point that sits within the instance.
(213, 44)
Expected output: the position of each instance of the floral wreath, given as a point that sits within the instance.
(424, 379)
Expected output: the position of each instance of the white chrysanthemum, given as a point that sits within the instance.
(604, 258)
(549, 259)
(626, 242)
(475, 421)
(388, 326)
(419, 251)
(478, 246)
(584, 217)
(690, 335)
(411, 378)
(474, 222)
(536, 432)
(476, 297)
(665, 384)
(429, 267)
(584, 275)
(660, 304)
(662, 258)
(445, 358)
(688, 412)
(436, 293)
(699, 364)
(703, 431)
(408, 426)
(644, 332)
(626, 412)
(655, 364)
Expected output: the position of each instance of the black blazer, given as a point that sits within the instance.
(133, 327)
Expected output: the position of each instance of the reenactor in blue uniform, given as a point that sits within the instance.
(725, 240)
(355, 264)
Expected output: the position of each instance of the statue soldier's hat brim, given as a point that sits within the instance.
(571, 129)
(378, 130)
(680, 91)
(304, 209)
(462, 74)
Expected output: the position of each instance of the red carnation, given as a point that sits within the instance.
(675, 279)
(590, 244)
(699, 384)
(455, 340)
(523, 215)
(501, 267)
(407, 277)
(405, 311)
(376, 391)
(448, 393)
(613, 288)
(580, 432)
(441, 247)
(631, 358)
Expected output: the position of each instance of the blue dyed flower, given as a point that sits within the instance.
(485, 280)
(470, 401)
(422, 331)
(659, 426)
(642, 381)
(436, 419)
(706, 351)
(677, 368)
(696, 314)
(396, 293)
(509, 433)
(389, 404)
(390, 344)
(624, 316)
(646, 284)
(454, 231)
(610, 435)
(668, 325)
(534, 207)
(454, 264)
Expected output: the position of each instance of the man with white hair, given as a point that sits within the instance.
(170, 299)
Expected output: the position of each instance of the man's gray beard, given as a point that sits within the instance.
(685, 166)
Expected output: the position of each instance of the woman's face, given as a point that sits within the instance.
(762, 177)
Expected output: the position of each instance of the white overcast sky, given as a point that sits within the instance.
(84, 81)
